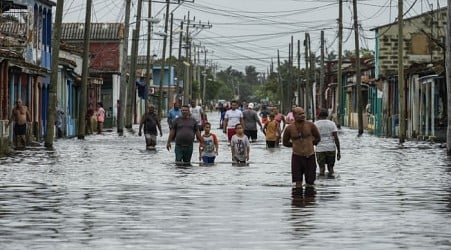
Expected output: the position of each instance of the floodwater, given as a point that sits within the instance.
(108, 192)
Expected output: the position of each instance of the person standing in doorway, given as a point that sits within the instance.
(150, 121)
(20, 116)
(59, 113)
(302, 136)
(329, 147)
(231, 118)
(100, 112)
(251, 119)
(183, 131)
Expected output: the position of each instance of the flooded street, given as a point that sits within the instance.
(108, 192)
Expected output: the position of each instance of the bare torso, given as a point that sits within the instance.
(20, 114)
(303, 135)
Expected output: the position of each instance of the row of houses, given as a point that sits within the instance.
(425, 83)
(25, 67)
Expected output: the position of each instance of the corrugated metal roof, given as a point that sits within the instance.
(99, 31)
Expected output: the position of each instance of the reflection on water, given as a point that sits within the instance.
(108, 192)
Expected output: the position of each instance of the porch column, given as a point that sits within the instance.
(428, 107)
(415, 105)
(432, 107)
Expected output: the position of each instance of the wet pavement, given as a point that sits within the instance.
(108, 192)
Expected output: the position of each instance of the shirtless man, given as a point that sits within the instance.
(302, 135)
(20, 115)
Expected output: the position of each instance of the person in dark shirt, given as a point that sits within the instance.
(183, 131)
(150, 121)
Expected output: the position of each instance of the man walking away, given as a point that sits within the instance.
(329, 145)
(251, 120)
(150, 121)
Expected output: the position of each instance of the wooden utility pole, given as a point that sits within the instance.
(290, 78)
(51, 109)
(85, 73)
(299, 80)
(279, 80)
(401, 104)
(204, 73)
(448, 77)
(148, 56)
(124, 67)
(188, 64)
(340, 62)
(307, 92)
(313, 81)
(321, 74)
(179, 57)
(358, 73)
(131, 86)
(171, 30)
(165, 39)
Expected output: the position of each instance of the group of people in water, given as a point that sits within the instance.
(312, 143)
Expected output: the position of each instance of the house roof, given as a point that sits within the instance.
(15, 59)
(13, 29)
(99, 31)
(410, 18)
(6, 5)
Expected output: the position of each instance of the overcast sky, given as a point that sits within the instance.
(249, 32)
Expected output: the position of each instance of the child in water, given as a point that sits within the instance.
(208, 152)
(240, 145)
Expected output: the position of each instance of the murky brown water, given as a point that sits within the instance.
(107, 192)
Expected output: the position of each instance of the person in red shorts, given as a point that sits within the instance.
(232, 117)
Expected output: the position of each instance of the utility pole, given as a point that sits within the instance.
(289, 90)
(148, 56)
(85, 73)
(188, 64)
(321, 74)
(358, 73)
(312, 91)
(340, 62)
(131, 86)
(124, 66)
(299, 77)
(170, 57)
(448, 76)
(307, 74)
(180, 56)
(160, 103)
(401, 104)
(279, 80)
(51, 109)
(204, 91)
